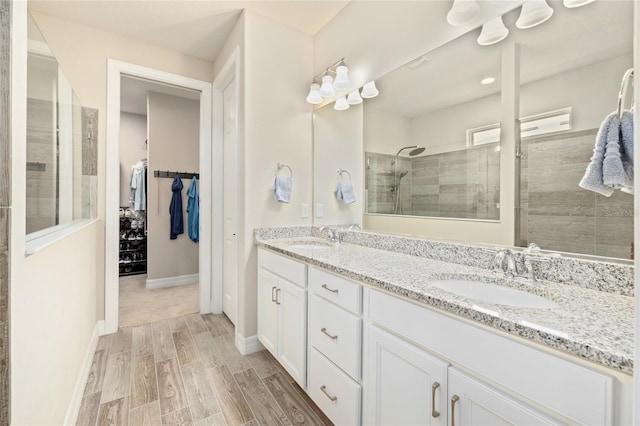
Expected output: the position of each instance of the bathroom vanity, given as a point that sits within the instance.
(372, 341)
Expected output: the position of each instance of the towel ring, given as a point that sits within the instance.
(341, 171)
(281, 166)
(626, 79)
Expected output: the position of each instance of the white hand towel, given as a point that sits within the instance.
(282, 189)
(344, 192)
(592, 179)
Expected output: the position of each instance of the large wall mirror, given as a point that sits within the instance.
(435, 155)
(61, 145)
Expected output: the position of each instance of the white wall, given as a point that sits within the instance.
(133, 133)
(337, 141)
(174, 140)
(385, 132)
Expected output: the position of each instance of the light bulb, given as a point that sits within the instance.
(462, 12)
(493, 32)
(369, 90)
(354, 98)
(342, 78)
(326, 90)
(534, 12)
(341, 104)
(314, 96)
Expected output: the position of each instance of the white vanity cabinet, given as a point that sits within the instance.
(335, 346)
(282, 311)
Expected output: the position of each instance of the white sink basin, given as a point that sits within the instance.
(494, 294)
(309, 246)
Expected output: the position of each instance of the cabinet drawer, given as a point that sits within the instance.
(336, 333)
(288, 269)
(334, 392)
(340, 291)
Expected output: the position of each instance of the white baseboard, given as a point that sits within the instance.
(102, 327)
(78, 391)
(172, 281)
(248, 345)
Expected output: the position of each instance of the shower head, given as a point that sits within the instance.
(415, 150)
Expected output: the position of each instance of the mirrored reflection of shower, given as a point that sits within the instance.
(397, 177)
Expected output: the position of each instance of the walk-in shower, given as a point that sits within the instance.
(415, 150)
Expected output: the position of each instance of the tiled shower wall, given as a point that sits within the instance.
(558, 215)
(460, 184)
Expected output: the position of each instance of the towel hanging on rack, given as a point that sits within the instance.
(344, 188)
(282, 185)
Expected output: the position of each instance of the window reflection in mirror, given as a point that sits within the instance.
(61, 187)
(575, 62)
(443, 102)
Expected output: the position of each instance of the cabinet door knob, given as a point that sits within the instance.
(434, 387)
(277, 298)
(454, 399)
(323, 388)
(273, 297)
(332, 290)
(324, 330)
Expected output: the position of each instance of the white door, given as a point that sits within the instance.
(230, 254)
(474, 403)
(406, 386)
(268, 310)
(292, 329)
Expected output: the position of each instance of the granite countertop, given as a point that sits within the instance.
(590, 324)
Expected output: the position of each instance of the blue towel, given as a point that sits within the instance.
(592, 179)
(626, 131)
(193, 208)
(617, 170)
(176, 222)
(282, 189)
(344, 192)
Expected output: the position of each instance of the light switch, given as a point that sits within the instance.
(319, 210)
(304, 210)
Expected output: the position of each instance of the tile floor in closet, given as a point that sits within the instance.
(187, 371)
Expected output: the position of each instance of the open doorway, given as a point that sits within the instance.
(170, 263)
(158, 215)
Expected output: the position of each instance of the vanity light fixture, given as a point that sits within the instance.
(462, 12)
(533, 13)
(341, 104)
(492, 32)
(327, 90)
(576, 3)
(354, 98)
(314, 96)
(369, 90)
(341, 81)
(488, 80)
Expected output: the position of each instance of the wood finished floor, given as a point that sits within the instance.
(187, 371)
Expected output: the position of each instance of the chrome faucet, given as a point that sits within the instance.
(505, 256)
(332, 235)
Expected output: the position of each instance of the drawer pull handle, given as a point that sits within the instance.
(273, 297)
(324, 330)
(323, 388)
(454, 399)
(332, 290)
(434, 387)
(277, 298)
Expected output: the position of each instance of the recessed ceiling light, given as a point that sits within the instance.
(488, 80)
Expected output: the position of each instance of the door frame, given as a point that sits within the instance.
(230, 71)
(115, 70)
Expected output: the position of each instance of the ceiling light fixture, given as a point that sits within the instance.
(462, 12)
(488, 80)
(369, 90)
(493, 32)
(576, 3)
(533, 13)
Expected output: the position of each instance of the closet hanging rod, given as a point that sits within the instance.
(626, 79)
(171, 175)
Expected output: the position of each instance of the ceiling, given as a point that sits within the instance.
(134, 91)
(197, 28)
(451, 74)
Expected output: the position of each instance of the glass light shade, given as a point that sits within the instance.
(326, 90)
(462, 12)
(314, 96)
(534, 12)
(341, 81)
(369, 90)
(354, 98)
(576, 3)
(341, 104)
(493, 32)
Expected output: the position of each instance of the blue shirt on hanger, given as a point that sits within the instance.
(193, 208)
